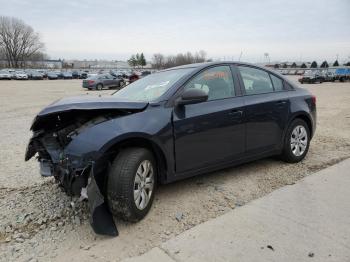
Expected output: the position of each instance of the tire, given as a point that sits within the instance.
(121, 84)
(288, 154)
(99, 87)
(122, 181)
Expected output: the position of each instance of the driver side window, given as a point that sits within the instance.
(217, 82)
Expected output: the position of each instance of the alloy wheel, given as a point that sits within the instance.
(143, 184)
(298, 140)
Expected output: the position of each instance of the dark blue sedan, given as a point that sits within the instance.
(167, 126)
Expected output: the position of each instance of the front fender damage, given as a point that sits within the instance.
(83, 182)
(76, 169)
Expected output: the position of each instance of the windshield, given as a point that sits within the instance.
(152, 86)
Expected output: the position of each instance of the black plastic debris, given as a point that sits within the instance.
(101, 219)
(270, 247)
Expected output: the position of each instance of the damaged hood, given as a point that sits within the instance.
(86, 103)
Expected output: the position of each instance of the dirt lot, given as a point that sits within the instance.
(39, 223)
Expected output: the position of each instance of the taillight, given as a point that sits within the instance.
(91, 82)
(313, 100)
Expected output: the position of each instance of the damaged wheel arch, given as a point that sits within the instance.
(143, 142)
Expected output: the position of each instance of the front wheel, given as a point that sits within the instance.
(121, 84)
(131, 184)
(296, 142)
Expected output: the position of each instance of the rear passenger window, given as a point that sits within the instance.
(255, 81)
(277, 83)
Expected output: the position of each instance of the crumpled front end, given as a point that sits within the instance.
(67, 138)
(75, 174)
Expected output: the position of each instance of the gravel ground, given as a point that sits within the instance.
(38, 222)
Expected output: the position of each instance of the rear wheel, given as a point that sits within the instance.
(99, 87)
(296, 142)
(131, 184)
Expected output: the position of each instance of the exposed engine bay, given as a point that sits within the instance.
(49, 144)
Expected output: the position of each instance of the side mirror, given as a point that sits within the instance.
(192, 96)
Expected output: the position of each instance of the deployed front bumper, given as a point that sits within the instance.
(74, 180)
(101, 219)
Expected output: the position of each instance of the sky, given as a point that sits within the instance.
(294, 30)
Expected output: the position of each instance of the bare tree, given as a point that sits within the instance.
(159, 61)
(18, 40)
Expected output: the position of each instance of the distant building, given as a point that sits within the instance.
(100, 64)
(49, 63)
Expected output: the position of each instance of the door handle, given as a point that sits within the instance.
(236, 113)
(281, 103)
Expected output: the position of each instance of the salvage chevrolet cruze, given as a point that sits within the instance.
(170, 125)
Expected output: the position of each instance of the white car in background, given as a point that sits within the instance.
(5, 75)
(20, 75)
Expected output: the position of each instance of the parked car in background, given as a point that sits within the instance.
(89, 75)
(76, 74)
(43, 73)
(118, 74)
(145, 73)
(134, 77)
(171, 125)
(29, 73)
(83, 75)
(59, 74)
(311, 77)
(102, 81)
(328, 76)
(5, 75)
(37, 75)
(67, 75)
(300, 72)
(342, 74)
(52, 76)
(21, 75)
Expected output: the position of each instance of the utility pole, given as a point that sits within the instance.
(240, 56)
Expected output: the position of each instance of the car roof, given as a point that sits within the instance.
(205, 64)
(199, 66)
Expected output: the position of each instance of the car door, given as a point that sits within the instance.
(107, 81)
(266, 108)
(113, 81)
(211, 132)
